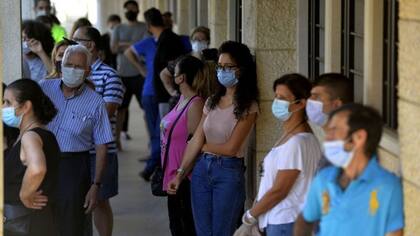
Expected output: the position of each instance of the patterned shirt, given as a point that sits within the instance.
(81, 119)
(108, 84)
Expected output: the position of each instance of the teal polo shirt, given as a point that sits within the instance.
(371, 205)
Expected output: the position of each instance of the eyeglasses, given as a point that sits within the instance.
(225, 67)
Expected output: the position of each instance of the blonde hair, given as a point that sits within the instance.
(205, 80)
(54, 73)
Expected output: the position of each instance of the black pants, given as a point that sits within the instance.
(181, 220)
(133, 86)
(73, 185)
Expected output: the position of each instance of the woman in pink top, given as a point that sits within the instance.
(183, 121)
(218, 182)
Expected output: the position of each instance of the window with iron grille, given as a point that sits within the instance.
(316, 38)
(352, 28)
(390, 71)
(238, 20)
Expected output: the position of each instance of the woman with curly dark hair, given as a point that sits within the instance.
(37, 46)
(219, 143)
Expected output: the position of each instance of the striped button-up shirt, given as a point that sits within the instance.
(81, 120)
(108, 84)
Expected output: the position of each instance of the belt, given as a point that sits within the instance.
(74, 154)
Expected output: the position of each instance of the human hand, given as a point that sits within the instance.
(35, 46)
(91, 199)
(173, 185)
(35, 201)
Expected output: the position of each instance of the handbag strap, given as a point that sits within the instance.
(168, 143)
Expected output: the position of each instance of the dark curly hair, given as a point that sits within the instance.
(37, 30)
(29, 90)
(246, 89)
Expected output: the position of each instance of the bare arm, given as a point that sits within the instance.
(33, 157)
(396, 233)
(285, 179)
(37, 48)
(92, 195)
(132, 57)
(111, 108)
(195, 112)
(167, 81)
(302, 227)
(232, 146)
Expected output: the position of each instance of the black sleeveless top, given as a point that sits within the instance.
(14, 170)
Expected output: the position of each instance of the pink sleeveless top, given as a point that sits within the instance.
(178, 140)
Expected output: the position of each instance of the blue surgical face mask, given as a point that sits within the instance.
(198, 46)
(25, 48)
(227, 77)
(280, 109)
(335, 153)
(315, 113)
(10, 118)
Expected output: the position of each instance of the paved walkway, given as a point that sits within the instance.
(136, 211)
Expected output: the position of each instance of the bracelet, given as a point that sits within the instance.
(248, 219)
(180, 171)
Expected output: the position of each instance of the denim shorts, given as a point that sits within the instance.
(109, 187)
(279, 230)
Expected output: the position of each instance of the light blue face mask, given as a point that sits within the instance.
(335, 153)
(227, 77)
(10, 118)
(280, 109)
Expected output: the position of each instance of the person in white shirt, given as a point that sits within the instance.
(289, 167)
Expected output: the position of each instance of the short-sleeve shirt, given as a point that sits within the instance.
(147, 48)
(37, 69)
(301, 152)
(372, 204)
(108, 84)
(220, 123)
(81, 120)
(129, 34)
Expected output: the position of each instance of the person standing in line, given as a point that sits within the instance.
(36, 48)
(123, 36)
(57, 57)
(218, 182)
(82, 120)
(289, 167)
(42, 8)
(31, 166)
(355, 196)
(108, 84)
(106, 54)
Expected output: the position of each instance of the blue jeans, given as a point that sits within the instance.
(218, 194)
(151, 108)
(280, 230)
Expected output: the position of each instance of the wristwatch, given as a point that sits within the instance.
(180, 171)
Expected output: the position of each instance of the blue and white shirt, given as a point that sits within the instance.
(81, 120)
(108, 84)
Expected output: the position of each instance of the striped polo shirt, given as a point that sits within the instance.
(81, 120)
(108, 84)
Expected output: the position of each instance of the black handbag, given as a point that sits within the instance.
(17, 219)
(158, 174)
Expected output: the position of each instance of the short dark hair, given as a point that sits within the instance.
(366, 118)
(167, 14)
(298, 84)
(114, 18)
(37, 30)
(338, 86)
(37, 1)
(189, 65)
(93, 34)
(153, 17)
(131, 2)
(29, 90)
(46, 20)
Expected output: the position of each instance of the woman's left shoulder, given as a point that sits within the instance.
(254, 108)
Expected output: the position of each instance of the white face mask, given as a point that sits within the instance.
(25, 48)
(72, 77)
(335, 153)
(41, 13)
(198, 46)
(314, 112)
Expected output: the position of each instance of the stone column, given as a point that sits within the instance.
(202, 12)
(183, 17)
(162, 5)
(217, 21)
(269, 29)
(332, 36)
(409, 110)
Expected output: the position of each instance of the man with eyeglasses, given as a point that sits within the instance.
(108, 84)
(81, 124)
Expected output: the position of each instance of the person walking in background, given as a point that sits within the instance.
(42, 8)
(106, 54)
(31, 165)
(82, 120)
(218, 182)
(36, 48)
(288, 169)
(123, 36)
(355, 196)
(108, 84)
